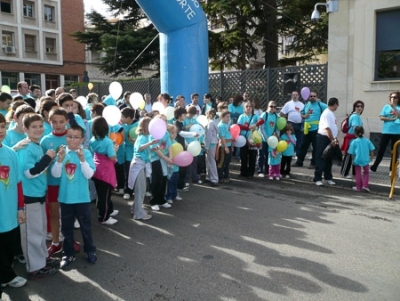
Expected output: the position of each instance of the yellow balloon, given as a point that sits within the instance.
(142, 104)
(256, 136)
(176, 149)
(90, 86)
(6, 89)
(282, 146)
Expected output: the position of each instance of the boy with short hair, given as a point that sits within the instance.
(5, 102)
(75, 167)
(225, 149)
(33, 164)
(11, 200)
(17, 134)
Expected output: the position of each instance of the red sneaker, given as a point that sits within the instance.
(77, 246)
(53, 249)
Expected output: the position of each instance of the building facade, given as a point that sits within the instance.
(36, 43)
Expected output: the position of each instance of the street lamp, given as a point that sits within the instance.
(331, 6)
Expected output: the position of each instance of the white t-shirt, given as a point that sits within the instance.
(148, 107)
(198, 109)
(292, 109)
(328, 120)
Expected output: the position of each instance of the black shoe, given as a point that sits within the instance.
(42, 273)
(295, 164)
(91, 257)
(311, 166)
(66, 262)
(53, 262)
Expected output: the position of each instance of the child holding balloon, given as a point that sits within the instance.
(173, 170)
(274, 161)
(286, 147)
(225, 150)
(210, 144)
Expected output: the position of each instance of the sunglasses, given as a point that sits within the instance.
(313, 96)
(272, 106)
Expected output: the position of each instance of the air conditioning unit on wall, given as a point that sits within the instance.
(9, 49)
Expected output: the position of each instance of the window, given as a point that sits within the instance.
(7, 38)
(9, 79)
(387, 61)
(29, 9)
(32, 79)
(49, 13)
(30, 43)
(51, 81)
(50, 45)
(69, 80)
(5, 6)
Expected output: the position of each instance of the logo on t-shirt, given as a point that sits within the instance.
(297, 109)
(70, 169)
(271, 124)
(4, 174)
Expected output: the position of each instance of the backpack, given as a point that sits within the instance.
(345, 124)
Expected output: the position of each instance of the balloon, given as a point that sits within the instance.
(194, 148)
(142, 104)
(202, 119)
(305, 93)
(197, 128)
(272, 141)
(157, 128)
(235, 131)
(82, 100)
(158, 106)
(256, 136)
(6, 89)
(176, 149)
(240, 141)
(281, 123)
(115, 90)
(132, 133)
(183, 159)
(169, 112)
(136, 100)
(282, 146)
(112, 115)
(90, 86)
(117, 138)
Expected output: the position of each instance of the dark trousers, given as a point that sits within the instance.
(80, 211)
(172, 186)
(346, 165)
(158, 184)
(322, 166)
(247, 161)
(262, 163)
(382, 148)
(298, 131)
(126, 167)
(120, 172)
(223, 163)
(104, 203)
(309, 139)
(201, 164)
(7, 243)
(285, 165)
(182, 176)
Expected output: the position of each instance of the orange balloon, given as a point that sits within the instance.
(117, 138)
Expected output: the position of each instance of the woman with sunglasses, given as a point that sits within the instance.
(390, 115)
(354, 121)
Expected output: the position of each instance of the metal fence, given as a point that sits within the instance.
(265, 84)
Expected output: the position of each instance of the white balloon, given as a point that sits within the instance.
(197, 128)
(82, 100)
(158, 106)
(169, 112)
(240, 141)
(136, 100)
(112, 115)
(194, 148)
(202, 119)
(115, 90)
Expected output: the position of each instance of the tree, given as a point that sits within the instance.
(121, 39)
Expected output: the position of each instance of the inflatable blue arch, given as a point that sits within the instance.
(183, 30)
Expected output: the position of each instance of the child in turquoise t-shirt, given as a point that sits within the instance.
(288, 153)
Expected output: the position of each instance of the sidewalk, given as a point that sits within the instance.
(379, 181)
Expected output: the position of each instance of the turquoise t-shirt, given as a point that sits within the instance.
(10, 176)
(392, 126)
(235, 111)
(121, 149)
(248, 120)
(290, 149)
(354, 120)
(4, 112)
(12, 138)
(53, 142)
(87, 111)
(128, 143)
(274, 161)
(27, 158)
(224, 132)
(186, 122)
(269, 126)
(144, 154)
(47, 128)
(315, 110)
(103, 146)
(360, 148)
(164, 143)
(74, 187)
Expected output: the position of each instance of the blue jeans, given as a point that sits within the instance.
(172, 187)
(298, 131)
(322, 166)
(310, 138)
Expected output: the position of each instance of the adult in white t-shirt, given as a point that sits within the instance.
(292, 112)
(195, 102)
(327, 134)
(148, 103)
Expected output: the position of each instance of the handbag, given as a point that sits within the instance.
(249, 142)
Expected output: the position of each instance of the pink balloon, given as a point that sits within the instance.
(183, 159)
(157, 128)
(235, 131)
(305, 93)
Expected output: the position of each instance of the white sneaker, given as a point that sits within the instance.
(319, 183)
(366, 189)
(120, 191)
(127, 196)
(114, 213)
(76, 224)
(348, 177)
(148, 193)
(16, 282)
(261, 175)
(330, 182)
(287, 177)
(271, 178)
(199, 182)
(355, 188)
(170, 201)
(110, 221)
(155, 208)
(166, 205)
(178, 198)
(277, 178)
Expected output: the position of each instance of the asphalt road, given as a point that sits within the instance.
(258, 240)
